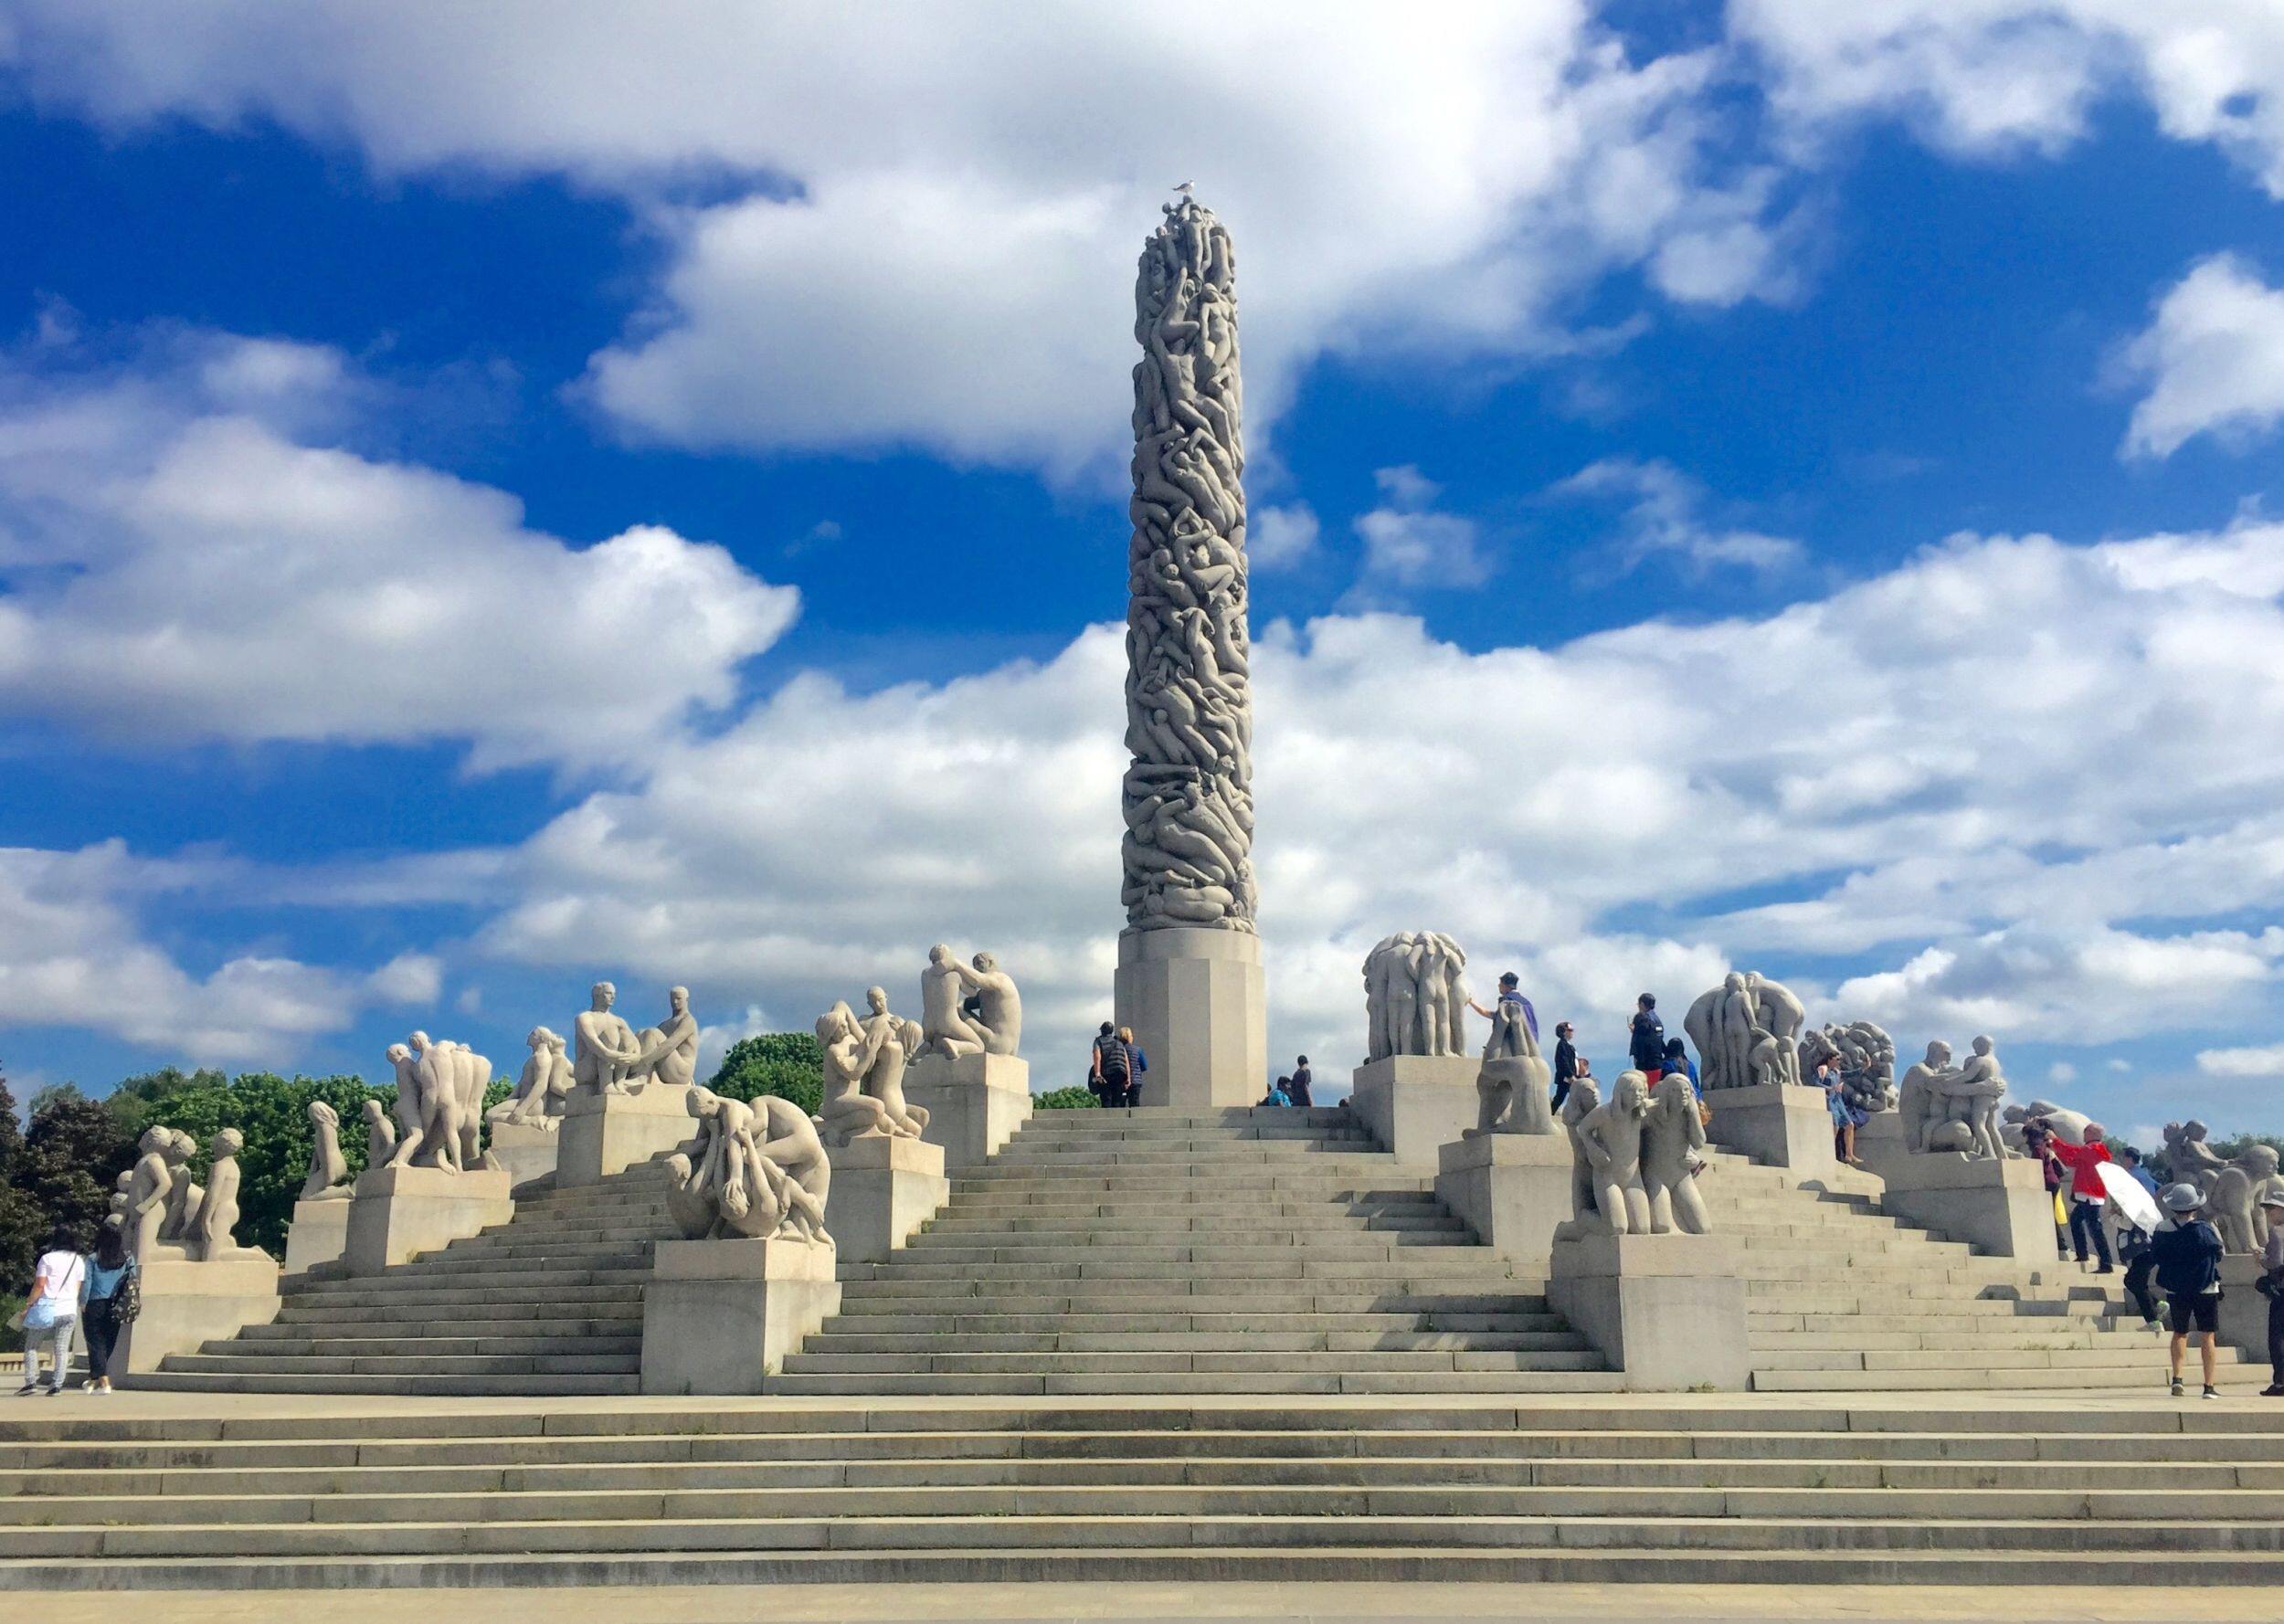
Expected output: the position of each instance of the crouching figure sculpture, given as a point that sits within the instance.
(756, 1170)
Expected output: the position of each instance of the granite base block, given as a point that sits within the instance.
(975, 1103)
(607, 1134)
(1999, 1207)
(720, 1316)
(401, 1212)
(1776, 1124)
(1198, 1008)
(1511, 1189)
(319, 1233)
(1414, 1104)
(882, 1190)
(1667, 1311)
(187, 1305)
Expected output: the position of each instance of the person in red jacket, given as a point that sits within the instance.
(2086, 1200)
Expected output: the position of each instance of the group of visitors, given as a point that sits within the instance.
(98, 1295)
(1293, 1089)
(1113, 1076)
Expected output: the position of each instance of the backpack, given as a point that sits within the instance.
(127, 1302)
(1113, 1061)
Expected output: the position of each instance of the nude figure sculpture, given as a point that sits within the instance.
(757, 1170)
(543, 1088)
(151, 1182)
(602, 1044)
(1673, 1138)
(328, 1177)
(1610, 1135)
(218, 1214)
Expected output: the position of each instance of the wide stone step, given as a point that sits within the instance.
(410, 1344)
(229, 1378)
(1114, 1365)
(834, 1339)
(242, 1356)
(1108, 1325)
(1359, 1382)
(903, 1296)
(2148, 1376)
(479, 1320)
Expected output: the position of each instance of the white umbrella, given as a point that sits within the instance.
(2138, 1205)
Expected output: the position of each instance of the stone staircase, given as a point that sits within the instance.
(1843, 1298)
(1230, 1252)
(1798, 1490)
(549, 1303)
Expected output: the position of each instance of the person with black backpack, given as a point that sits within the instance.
(114, 1296)
(1646, 1044)
(1119, 1062)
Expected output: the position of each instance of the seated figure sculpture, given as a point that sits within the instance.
(380, 1134)
(1673, 1137)
(667, 1053)
(2233, 1205)
(543, 1088)
(1513, 1083)
(602, 1044)
(945, 1028)
(328, 1177)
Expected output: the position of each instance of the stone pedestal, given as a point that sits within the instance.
(187, 1305)
(2244, 1312)
(975, 1103)
(527, 1150)
(1780, 1123)
(1999, 1207)
(1879, 1142)
(401, 1212)
(1511, 1189)
(719, 1316)
(1414, 1104)
(319, 1234)
(1195, 1000)
(1666, 1310)
(607, 1134)
(882, 1190)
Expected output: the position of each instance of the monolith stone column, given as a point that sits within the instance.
(1188, 980)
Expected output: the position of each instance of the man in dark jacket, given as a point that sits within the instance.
(1565, 1063)
(1297, 1085)
(1647, 1047)
(2186, 1261)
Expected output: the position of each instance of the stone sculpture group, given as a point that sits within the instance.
(2231, 1184)
(543, 1088)
(1188, 794)
(865, 1072)
(439, 1105)
(1747, 1032)
(970, 1008)
(1863, 1056)
(1415, 996)
(1945, 1109)
(1513, 1082)
(1635, 1158)
(757, 1169)
(609, 1057)
(167, 1214)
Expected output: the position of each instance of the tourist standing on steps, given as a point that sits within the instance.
(2186, 1262)
(1645, 1045)
(1124, 1058)
(2130, 1240)
(1677, 1060)
(1565, 1063)
(2038, 1142)
(53, 1313)
(1297, 1084)
(1846, 1117)
(108, 1288)
(2086, 1200)
(2272, 1283)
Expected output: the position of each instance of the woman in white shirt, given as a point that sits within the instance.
(53, 1312)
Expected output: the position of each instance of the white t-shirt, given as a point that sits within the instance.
(65, 1273)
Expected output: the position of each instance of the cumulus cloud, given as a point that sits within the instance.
(1663, 514)
(1279, 538)
(1992, 77)
(922, 233)
(73, 953)
(1939, 819)
(181, 565)
(2267, 1061)
(1408, 543)
(2213, 360)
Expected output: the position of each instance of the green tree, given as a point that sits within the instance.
(791, 1065)
(22, 1224)
(73, 1151)
(1074, 1098)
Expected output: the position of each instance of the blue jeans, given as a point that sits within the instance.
(2086, 1228)
(58, 1337)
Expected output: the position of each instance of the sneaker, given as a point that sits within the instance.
(2273, 1390)
(2106, 1269)
(2177, 1390)
(2211, 1391)
(56, 1391)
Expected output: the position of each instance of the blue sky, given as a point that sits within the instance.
(486, 505)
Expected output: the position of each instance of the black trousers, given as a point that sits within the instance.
(102, 1334)
(2276, 1341)
(2085, 1223)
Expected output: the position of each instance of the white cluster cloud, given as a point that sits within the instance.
(185, 567)
(73, 953)
(1663, 515)
(2002, 787)
(1989, 77)
(2266, 1061)
(1409, 544)
(2213, 357)
(922, 231)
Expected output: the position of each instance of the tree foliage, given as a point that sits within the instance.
(791, 1065)
(1074, 1098)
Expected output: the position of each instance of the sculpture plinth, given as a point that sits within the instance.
(527, 1149)
(975, 1103)
(883, 1187)
(1414, 1104)
(1511, 1189)
(1997, 1207)
(320, 1234)
(719, 1316)
(603, 1134)
(1776, 1124)
(187, 1305)
(400, 1212)
(1668, 1310)
(1196, 1001)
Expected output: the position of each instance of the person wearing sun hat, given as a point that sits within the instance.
(2272, 1283)
(2186, 1261)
